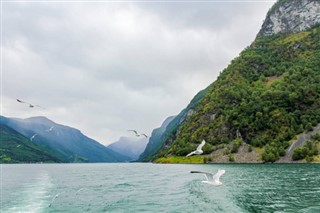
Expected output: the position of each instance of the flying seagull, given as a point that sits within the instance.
(135, 131)
(144, 135)
(198, 150)
(30, 105)
(33, 136)
(138, 134)
(49, 130)
(211, 178)
(54, 198)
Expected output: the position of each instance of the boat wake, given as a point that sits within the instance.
(32, 197)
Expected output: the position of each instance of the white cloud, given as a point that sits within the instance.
(107, 67)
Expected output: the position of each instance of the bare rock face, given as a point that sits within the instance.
(291, 16)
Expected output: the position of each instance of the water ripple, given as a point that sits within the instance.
(160, 188)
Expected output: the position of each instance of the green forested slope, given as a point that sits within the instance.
(16, 148)
(265, 97)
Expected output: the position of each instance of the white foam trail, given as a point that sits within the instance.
(33, 198)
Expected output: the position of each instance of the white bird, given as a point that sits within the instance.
(137, 134)
(198, 150)
(33, 136)
(49, 130)
(135, 131)
(30, 105)
(53, 199)
(146, 136)
(211, 178)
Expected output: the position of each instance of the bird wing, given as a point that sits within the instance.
(145, 135)
(217, 176)
(209, 176)
(191, 153)
(20, 101)
(33, 136)
(40, 107)
(131, 130)
(201, 145)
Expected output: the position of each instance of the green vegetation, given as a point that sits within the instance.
(231, 158)
(309, 150)
(177, 159)
(15, 148)
(269, 94)
(159, 138)
(236, 144)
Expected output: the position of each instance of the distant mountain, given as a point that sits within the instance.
(264, 99)
(130, 147)
(163, 136)
(66, 142)
(16, 148)
(154, 143)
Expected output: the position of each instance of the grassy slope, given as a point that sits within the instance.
(15, 148)
(269, 94)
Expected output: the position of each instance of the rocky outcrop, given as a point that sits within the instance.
(242, 156)
(301, 141)
(291, 16)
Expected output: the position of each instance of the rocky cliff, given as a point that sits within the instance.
(291, 16)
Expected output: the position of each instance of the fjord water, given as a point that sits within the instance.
(139, 187)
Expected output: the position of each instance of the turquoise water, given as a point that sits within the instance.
(159, 188)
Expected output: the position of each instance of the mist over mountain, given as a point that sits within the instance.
(16, 148)
(66, 142)
(131, 147)
(167, 131)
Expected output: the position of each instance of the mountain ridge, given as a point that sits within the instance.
(66, 142)
(262, 100)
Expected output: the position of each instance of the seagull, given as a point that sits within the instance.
(49, 130)
(33, 136)
(212, 179)
(144, 135)
(135, 132)
(19, 145)
(30, 105)
(53, 199)
(132, 130)
(198, 150)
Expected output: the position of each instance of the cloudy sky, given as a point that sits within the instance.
(104, 67)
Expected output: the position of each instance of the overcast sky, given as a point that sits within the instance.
(106, 67)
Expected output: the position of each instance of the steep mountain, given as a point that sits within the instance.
(154, 143)
(291, 16)
(130, 147)
(168, 130)
(265, 98)
(16, 148)
(66, 142)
